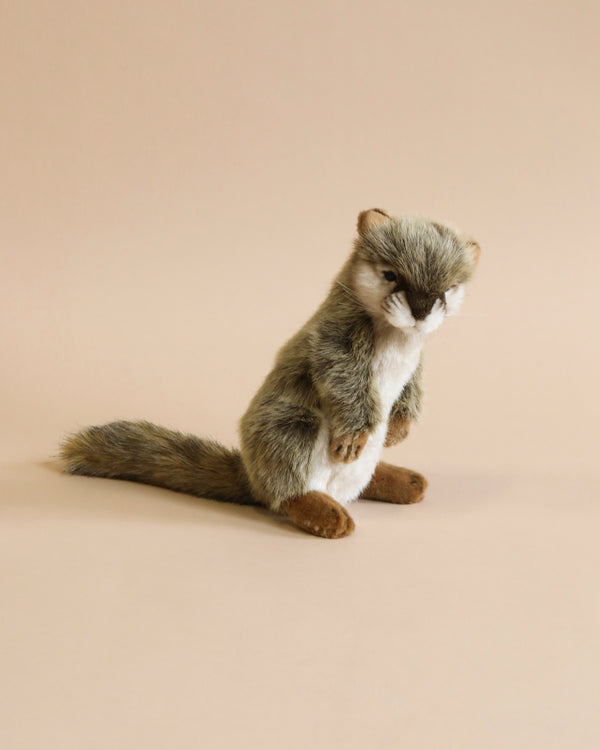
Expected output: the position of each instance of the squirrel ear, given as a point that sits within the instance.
(474, 249)
(370, 219)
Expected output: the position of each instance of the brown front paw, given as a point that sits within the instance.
(398, 430)
(348, 447)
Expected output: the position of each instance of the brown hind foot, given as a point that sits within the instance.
(319, 514)
(393, 484)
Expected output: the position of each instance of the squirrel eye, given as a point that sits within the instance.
(389, 276)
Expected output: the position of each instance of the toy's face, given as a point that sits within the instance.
(410, 271)
(386, 294)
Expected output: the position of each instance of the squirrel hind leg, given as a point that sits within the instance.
(393, 484)
(318, 514)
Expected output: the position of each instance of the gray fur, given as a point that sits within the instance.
(323, 373)
(144, 452)
(430, 256)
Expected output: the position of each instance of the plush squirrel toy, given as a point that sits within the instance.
(343, 388)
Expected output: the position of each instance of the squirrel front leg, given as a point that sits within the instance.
(348, 437)
(405, 410)
(351, 421)
(343, 379)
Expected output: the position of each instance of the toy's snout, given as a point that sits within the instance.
(421, 303)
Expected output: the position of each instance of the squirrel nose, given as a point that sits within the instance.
(420, 304)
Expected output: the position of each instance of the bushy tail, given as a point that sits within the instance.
(144, 452)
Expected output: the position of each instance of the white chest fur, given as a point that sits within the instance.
(395, 360)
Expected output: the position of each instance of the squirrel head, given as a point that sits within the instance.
(411, 271)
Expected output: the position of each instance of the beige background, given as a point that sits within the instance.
(180, 184)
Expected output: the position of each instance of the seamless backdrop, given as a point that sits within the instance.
(180, 183)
